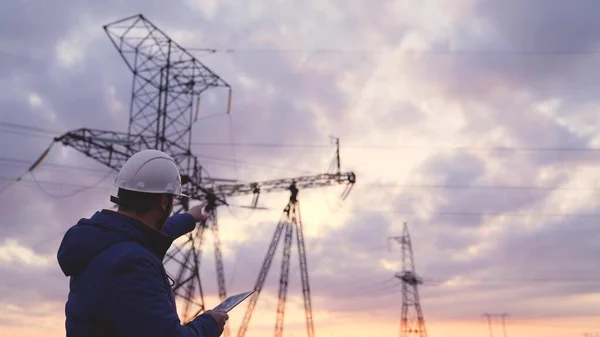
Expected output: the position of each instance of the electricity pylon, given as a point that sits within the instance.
(503, 321)
(412, 322)
(167, 84)
(291, 222)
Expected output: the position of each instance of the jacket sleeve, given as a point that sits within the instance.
(139, 305)
(179, 224)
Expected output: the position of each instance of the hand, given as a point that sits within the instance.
(219, 316)
(197, 212)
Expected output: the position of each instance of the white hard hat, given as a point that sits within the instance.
(150, 171)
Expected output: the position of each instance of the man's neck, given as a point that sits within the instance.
(142, 218)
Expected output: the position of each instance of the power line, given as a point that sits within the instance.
(4, 160)
(499, 280)
(403, 147)
(215, 160)
(68, 195)
(544, 325)
(21, 133)
(459, 214)
(352, 147)
(58, 184)
(479, 187)
(234, 162)
(245, 163)
(384, 185)
(27, 127)
(33, 165)
(374, 51)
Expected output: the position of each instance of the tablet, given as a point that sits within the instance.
(232, 301)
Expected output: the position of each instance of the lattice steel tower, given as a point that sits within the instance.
(412, 323)
(166, 88)
(167, 84)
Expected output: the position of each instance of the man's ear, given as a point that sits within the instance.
(164, 202)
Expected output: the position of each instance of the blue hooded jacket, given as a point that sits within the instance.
(119, 287)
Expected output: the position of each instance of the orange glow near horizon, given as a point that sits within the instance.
(475, 147)
(263, 323)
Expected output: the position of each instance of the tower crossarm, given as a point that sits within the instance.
(112, 149)
(303, 182)
(409, 277)
(107, 147)
(292, 184)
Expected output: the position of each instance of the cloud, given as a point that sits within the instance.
(34, 274)
(543, 27)
(368, 73)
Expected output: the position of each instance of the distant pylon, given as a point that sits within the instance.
(489, 320)
(412, 323)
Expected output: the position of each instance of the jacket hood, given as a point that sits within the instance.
(89, 237)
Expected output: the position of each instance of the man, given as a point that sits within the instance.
(118, 286)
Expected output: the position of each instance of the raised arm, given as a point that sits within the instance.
(181, 224)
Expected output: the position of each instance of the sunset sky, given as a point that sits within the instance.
(475, 122)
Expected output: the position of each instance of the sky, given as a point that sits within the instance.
(471, 121)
